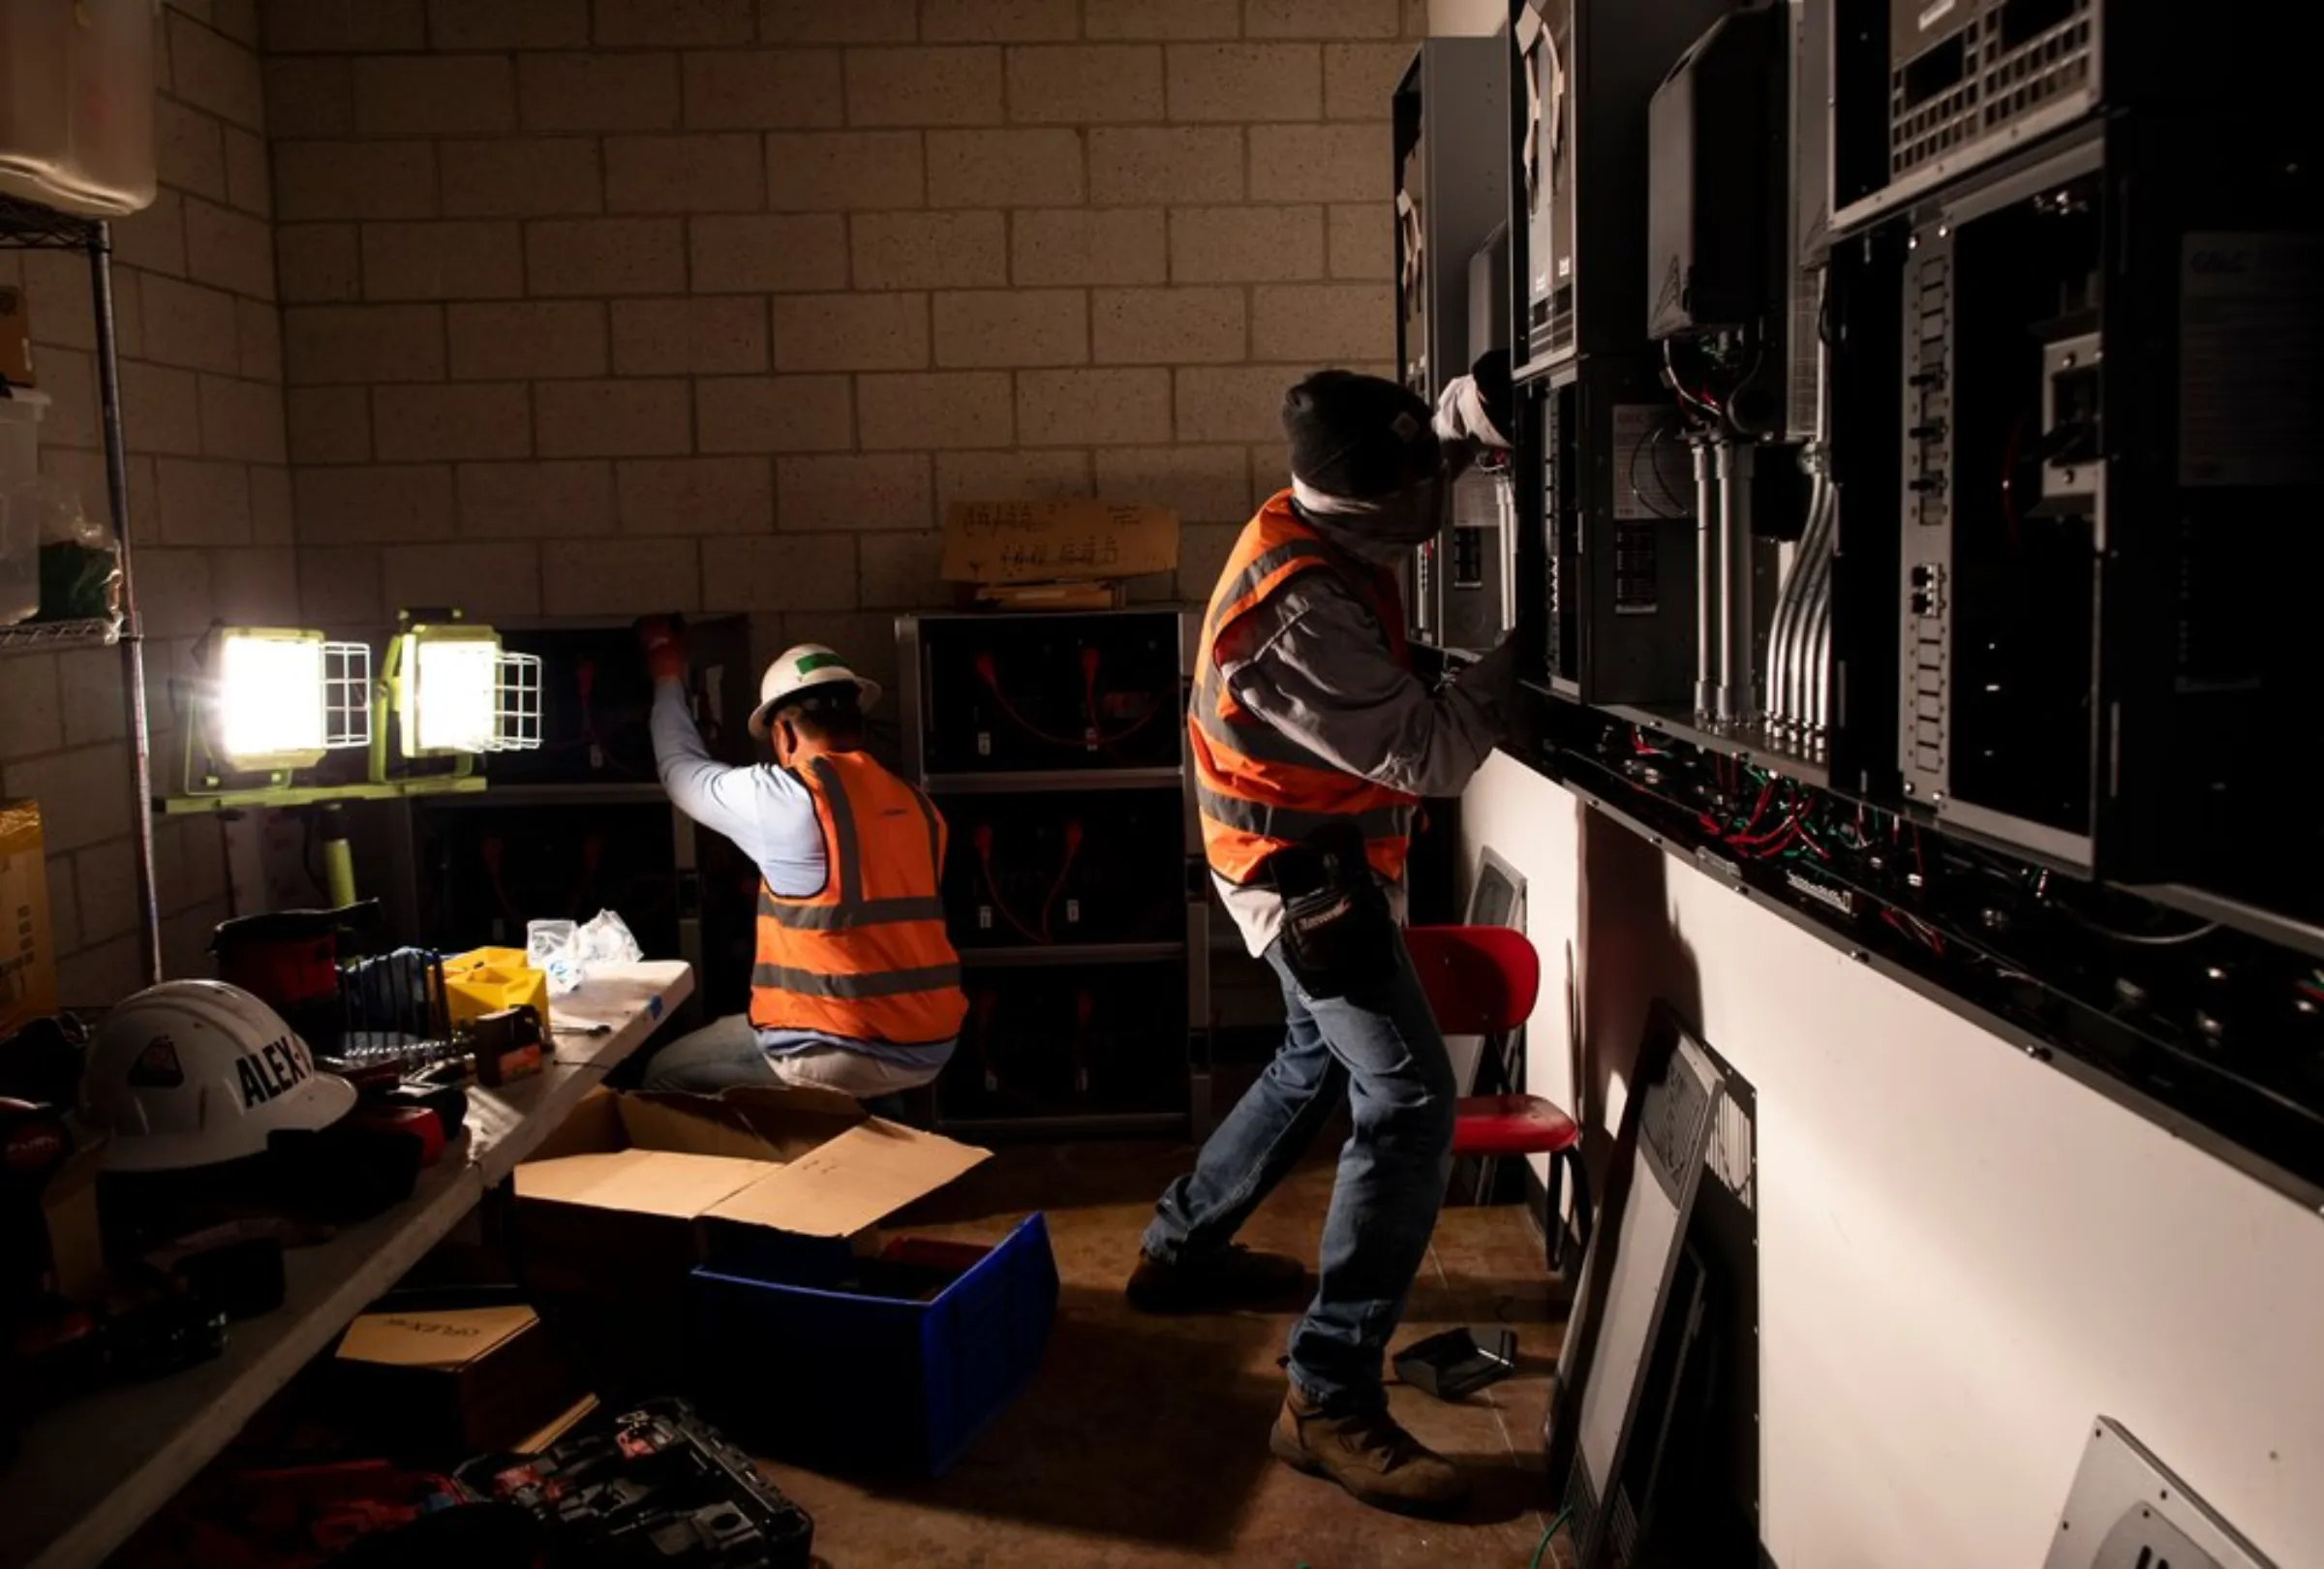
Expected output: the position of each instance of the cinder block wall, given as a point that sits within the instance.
(211, 495)
(713, 305)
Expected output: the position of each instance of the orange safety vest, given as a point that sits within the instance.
(1257, 789)
(867, 958)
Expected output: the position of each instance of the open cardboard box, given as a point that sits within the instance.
(634, 1190)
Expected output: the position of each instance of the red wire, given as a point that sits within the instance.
(1919, 869)
(1073, 848)
(984, 858)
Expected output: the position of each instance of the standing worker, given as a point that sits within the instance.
(1313, 744)
(856, 987)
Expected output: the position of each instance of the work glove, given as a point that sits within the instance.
(663, 638)
(1478, 410)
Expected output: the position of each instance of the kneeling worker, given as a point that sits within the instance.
(857, 988)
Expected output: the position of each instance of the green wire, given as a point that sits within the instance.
(1550, 1535)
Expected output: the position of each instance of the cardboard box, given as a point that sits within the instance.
(455, 1382)
(15, 335)
(27, 946)
(1057, 542)
(1050, 595)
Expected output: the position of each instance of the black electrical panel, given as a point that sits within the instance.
(597, 698)
(1584, 72)
(1035, 693)
(1451, 192)
(1066, 1047)
(2114, 365)
(1473, 573)
(1037, 869)
(1617, 506)
(1928, 91)
(487, 871)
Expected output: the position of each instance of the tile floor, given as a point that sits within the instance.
(1142, 1444)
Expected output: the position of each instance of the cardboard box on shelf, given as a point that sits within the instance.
(1055, 555)
(15, 335)
(456, 1381)
(27, 946)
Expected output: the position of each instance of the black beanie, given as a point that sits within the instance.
(1357, 435)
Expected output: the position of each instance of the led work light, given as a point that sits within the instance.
(457, 692)
(281, 697)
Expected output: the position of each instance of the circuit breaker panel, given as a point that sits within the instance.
(1474, 580)
(1451, 192)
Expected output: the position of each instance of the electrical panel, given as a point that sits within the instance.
(597, 698)
(1617, 503)
(1584, 72)
(1472, 571)
(2107, 411)
(1452, 190)
(1928, 91)
(1043, 693)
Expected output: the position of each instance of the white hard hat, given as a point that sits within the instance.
(795, 669)
(197, 1072)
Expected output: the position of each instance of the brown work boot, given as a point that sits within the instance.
(1233, 1276)
(1369, 1455)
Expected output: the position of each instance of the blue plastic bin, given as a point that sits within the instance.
(828, 1377)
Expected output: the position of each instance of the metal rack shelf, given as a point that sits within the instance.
(1054, 779)
(1072, 953)
(51, 637)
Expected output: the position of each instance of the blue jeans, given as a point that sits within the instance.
(1385, 1053)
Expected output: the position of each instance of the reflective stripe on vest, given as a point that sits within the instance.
(1258, 789)
(867, 957)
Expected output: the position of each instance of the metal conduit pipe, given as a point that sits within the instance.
(1734, 469)
(1709, 635)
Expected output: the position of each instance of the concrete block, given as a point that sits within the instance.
(534, 500)
(1324, 324)
(544, 339)
(795, 571)
(417, 424)
(272, 520)
(1320, 19)
(774, 413)
(1036, 474)
(1168, 18)
(354, 179)
(230, 249)
(922, 411)
(1005, 169)
(1092, 408)
(90, 681)
(1202, 552)
(769, 255)
(695, 496)
(819, 21)
(1165, 164)
(204, 503)
(340, 586)
(1318, 163)
(1201, 484)
(163, 406)
(154, 239)
(1085, 84)
(342, 26)
(1363, 240)
(215, 73)
(249, 172)
(521, 178)
(255, 587)
(638, 418)
(924, 86)
(1245, 244)
(929, 250)
(433, 95)
(599, 91)
(1240, 403)
(763, 89)
(1092, 245)
(187, 323)
(175, 598)
(316, 263)
(898, 571)
(852, 492)
(329, 424)
(1012, 326)
(327, 344)
(189, 149)
(32, 721)
(605, 256)
(714, 335)
(1360, 79)
(999, 21)
(84, 795)
(373, 506)
(260, 326)
(1168, 327)
(832, 332)
(645, 22)
(614, 578)
(466, 260)
(1247, 82)
(838, 171)
(487, 581)
(508, 24)
(684, 174)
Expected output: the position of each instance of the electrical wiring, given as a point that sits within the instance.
(1548, 1535)
(1073, 848)
(1655, 436)
(988, 672)
(984, 861)
(2168, 939)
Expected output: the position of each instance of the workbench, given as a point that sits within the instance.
(92, 1471)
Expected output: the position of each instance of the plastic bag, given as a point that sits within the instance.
(81, 567)
(566, 953)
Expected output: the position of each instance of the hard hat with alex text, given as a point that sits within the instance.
(798, 669)
(196, 1073)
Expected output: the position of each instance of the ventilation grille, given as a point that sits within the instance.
(1732, 1157)
(1982, 77)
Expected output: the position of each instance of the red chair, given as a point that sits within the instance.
(1482, 980)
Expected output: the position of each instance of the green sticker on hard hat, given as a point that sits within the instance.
(810, 664)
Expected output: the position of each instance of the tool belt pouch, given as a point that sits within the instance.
(1338, 933)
